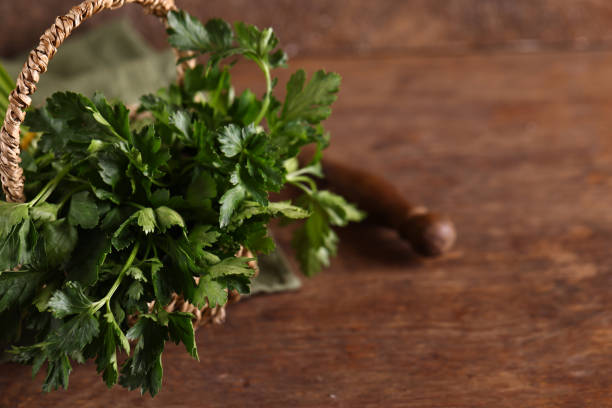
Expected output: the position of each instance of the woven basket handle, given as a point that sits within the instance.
(20, 99)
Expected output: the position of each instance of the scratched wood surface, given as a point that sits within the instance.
(362, 26)
(516, 147)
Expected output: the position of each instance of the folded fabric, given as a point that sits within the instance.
(112, 59)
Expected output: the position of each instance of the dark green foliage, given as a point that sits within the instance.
(127, 212)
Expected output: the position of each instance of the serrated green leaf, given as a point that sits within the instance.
(257, 238)
(210, 291)
(122, 339)
(102, 194)
(83, 211)
(11, 214)
(288, 210)
(181, 330)
(230, 200)
(315, 243)
(60, 239)
(252, 184)
(250, 209)
(114, 117)
(161, 283)
(123, 236)
(168, 218)
(135, 290)
(339, 211)
(259, 44)
(231, 266)
(71, 337)
(231, 138)
(106, 360)
(246, 108)
(182, 121)
(41, 301)
(68, 301)
(111, 167)
(149, 153)
(143, 369)
(160, 197)
(9, 249)
(202, 236)
(220, 34)
(201, 188)
(18, 288)
(182, 266)
(28, 240)
(88, 257)
(236, 282)
(46, 212)
(310, 102)
(58, 372)
(136, 273)
(146, 219)
(186, 33)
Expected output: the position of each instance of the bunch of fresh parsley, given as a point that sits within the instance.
(125, 212)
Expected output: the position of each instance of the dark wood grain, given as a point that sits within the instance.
(517, 149)
(362, 26)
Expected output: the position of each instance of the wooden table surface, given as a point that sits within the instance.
(516, 147)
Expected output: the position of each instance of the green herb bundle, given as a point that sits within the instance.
(127, 211)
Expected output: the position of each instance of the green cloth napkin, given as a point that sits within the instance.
(112, 59)
(115, 60)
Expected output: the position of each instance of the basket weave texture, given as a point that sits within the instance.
(11, 173)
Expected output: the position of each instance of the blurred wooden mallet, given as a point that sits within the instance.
(429, 233)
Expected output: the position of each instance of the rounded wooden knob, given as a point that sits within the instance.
(430, 234)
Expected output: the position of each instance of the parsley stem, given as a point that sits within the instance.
(301, 187)
(266, 101)
(295, 180)
(106, 299)
(78, 180)
(146, 255)
(48, 189)
(133, 204)
(304, 170)
(47, 156)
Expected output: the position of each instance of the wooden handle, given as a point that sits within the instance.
(430, 234)
(11, 173)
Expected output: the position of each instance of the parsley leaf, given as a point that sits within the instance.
(69, 301)
(310, 102)
(187, 33)
(315, 242)
(106, 360)
(127, 212)
(18, 287)
(144, 368)
(11, 214)
(83, 211)
(181, 330)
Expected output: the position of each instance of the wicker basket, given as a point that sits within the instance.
(11, 173)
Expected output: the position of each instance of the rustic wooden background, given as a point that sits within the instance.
(349, 27)
(496, 112)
